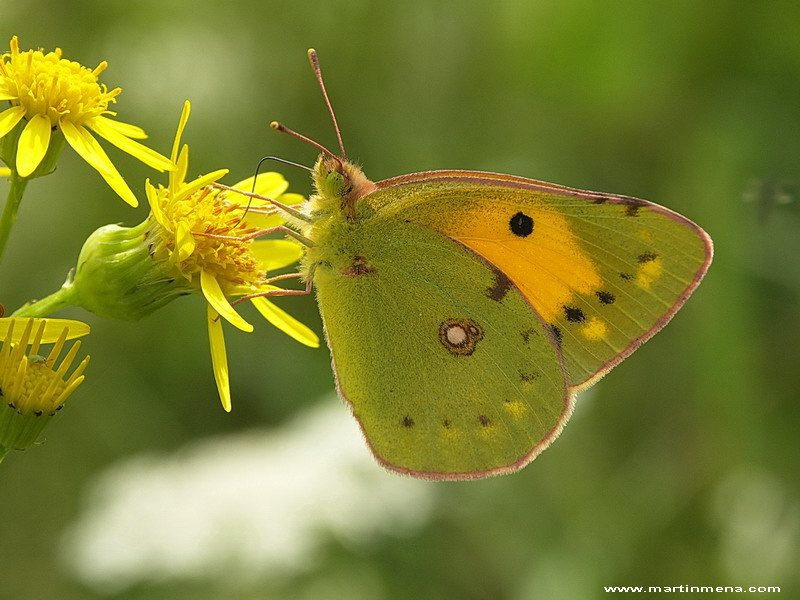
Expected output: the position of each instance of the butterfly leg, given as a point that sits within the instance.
(281, 228)
(284, 207)
(280, 292)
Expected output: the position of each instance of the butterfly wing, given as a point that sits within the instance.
(447, 381)
(604, 272)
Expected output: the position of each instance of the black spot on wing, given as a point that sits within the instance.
(521, 225)
(626, 276)
(632, 206)
(574, 314)
(647, 257)
(605, 297)
(407, 421)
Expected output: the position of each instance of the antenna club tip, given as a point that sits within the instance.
(275, 125)
(311, 52)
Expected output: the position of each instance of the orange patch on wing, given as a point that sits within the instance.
(548, 265)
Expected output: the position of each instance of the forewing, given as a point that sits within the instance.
(449, 376)
(604, 272)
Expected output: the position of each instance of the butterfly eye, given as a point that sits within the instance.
(334, 185)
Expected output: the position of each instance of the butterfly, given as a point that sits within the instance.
(464, 310)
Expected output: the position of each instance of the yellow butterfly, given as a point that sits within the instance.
(464, 310)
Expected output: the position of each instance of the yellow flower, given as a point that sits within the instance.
(202, 231)
(5, 171)
(32, 387)
(55, 96)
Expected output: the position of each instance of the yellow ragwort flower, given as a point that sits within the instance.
(32, 386)
(55, 96)
(202, 231)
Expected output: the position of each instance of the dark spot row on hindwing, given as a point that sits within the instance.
(483, 420)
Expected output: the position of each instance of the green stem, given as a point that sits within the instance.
(15, 191)
(46, 306)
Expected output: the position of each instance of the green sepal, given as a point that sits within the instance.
(117, 277)
(19, 431)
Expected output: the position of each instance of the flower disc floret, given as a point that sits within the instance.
(220, 250)
(54, 99)
(49, 85)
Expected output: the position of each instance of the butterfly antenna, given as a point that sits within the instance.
(314, 60)
(284, 129)
(255, 177)
(284, 161)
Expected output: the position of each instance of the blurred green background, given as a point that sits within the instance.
(679, 468)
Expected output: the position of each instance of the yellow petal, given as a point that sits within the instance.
(33, 145)
(5, 172)
(177, 177)
(286, 322)
(219, 358)
(184, 242)
(155, 205)
(261, 221)
(9, 118)
(269, 184)
(52, 328)
(148, 156)
(89, 150)
(215, 297)
(126, 129)
(187, 108)
(291, 199)
(193, 186)
(7, 96)
(275, 254)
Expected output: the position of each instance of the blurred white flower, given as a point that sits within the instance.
(759, 526)
(243, 507)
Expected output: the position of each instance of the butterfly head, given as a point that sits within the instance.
(339, 183)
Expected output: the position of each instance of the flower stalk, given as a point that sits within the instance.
(16, 188)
